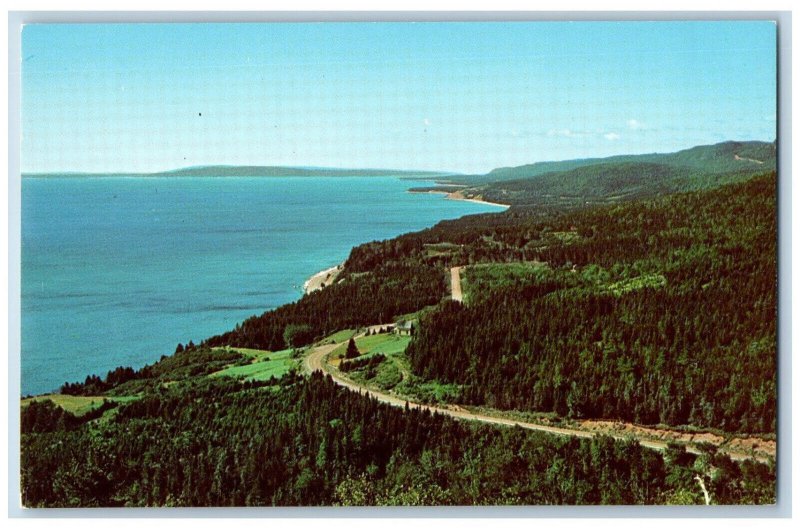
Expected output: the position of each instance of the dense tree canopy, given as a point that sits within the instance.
(310, 442)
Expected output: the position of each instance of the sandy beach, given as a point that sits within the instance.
(322, 279)
(457, 195)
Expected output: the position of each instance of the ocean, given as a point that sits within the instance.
(119, 270)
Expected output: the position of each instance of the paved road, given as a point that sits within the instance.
(316, 361)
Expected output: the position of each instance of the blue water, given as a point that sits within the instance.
(117, 271)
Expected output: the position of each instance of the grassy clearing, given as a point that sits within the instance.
(338, 353)
(442, 248)
(416, 316)
(340, 337)
(502, 271)
(265, 365)
(77, 405)
(486, 277)
(390, 372)
(636, 283)
(254, 354)
(387, 344)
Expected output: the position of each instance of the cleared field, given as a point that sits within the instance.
(341, 336)
(77, 405)
(255, 354)
(442, 248)
(265, 366)
(387, 344)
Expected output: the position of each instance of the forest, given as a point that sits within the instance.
(306, 441)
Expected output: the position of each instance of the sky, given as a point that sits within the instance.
(464, 97)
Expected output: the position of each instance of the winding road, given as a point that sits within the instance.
(316, 361)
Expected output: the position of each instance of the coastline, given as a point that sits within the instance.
(326, 277)
(457, 195)
(322, 279)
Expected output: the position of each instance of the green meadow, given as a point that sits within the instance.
(264, 366)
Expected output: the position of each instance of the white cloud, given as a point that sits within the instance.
(426, 122)
(635, 124)
(561, 132)
(611, 136)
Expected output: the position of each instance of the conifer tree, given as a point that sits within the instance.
(352, 350)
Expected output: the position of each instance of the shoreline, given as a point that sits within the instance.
(456, 195)
(322, 279)
(326, 277)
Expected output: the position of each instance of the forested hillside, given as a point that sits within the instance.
(579, 183)
(308, 442)
(691, 341)
(709, 159)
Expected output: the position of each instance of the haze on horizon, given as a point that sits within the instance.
(465, 97)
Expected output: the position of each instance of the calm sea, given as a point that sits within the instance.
(117, 271)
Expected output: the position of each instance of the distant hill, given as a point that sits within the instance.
(252, 170)
(258, 170)
(575, 183)
(718, 158)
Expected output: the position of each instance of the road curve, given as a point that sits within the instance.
(315, 361)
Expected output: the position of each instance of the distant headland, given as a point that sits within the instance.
(248, 170)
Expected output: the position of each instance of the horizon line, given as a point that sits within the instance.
(437, 172)
(166, 172)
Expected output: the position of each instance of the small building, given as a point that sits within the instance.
(404, 328)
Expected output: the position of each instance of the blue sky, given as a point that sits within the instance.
(467, 97)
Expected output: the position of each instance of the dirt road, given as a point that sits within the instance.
(455, 284)
(742, 159)
(313, 362)
(316, 361)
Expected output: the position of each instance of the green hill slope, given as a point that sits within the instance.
(718, 158)
(575, 183)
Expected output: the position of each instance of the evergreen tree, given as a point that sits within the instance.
(352, 350)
